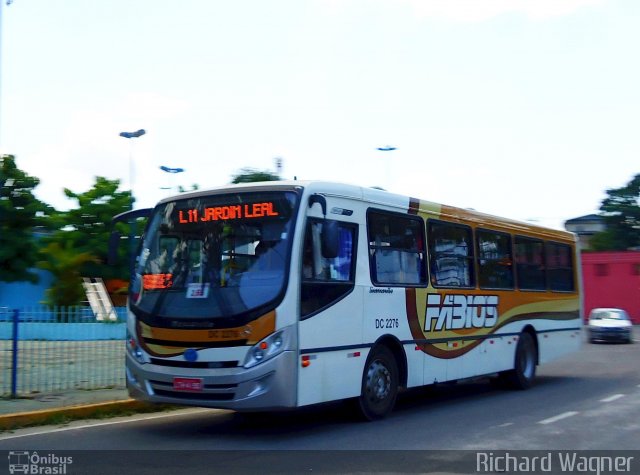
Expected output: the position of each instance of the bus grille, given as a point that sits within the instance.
(195, 364)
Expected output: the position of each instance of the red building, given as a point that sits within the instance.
(612, 279)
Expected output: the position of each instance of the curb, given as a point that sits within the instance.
(33, 418)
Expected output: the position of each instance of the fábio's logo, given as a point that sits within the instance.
(455, 312)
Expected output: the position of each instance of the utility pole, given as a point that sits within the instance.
(2, 3)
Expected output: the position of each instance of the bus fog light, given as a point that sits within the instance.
(132, 378)
(260, 386)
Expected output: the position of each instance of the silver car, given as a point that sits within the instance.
(610, 324)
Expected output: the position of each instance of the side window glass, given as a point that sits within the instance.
(396, 249)
(530, 264)
(326, 269)
(450, 255)
(559, 267)
(325, 280)
(495, 260)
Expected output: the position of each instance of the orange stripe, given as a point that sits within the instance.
(252, 332)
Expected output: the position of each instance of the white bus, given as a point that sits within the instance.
(279, 295)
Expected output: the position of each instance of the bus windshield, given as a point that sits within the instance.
(214, 257)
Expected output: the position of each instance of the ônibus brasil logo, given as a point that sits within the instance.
(23, 461)
(455, 312)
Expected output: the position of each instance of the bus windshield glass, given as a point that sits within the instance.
(214, 256)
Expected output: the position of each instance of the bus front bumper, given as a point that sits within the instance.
(267, 386)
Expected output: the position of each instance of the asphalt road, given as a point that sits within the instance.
(587, 401)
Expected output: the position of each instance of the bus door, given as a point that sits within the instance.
(330, 309)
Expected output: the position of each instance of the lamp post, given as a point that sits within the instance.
(132, 135)
(6, 2)
(389, 168)
(132, 225)
(172, 171)
(278, 162)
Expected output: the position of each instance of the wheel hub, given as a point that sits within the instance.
(378, 381)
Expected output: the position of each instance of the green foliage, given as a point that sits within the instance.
(89, 225)
(250, 175)
(605, 241)
(194, 187)
(621, 210)
(20, 213)
(79, 245)
(64, 262)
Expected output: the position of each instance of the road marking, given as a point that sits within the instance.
(553, 419)
(612, 398)
(109, 423)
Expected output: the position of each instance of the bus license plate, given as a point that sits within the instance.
(187, 384)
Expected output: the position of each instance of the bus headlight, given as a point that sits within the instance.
(134, 349)
(266, 349)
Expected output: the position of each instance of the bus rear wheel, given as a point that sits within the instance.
(379, 384)
(524, 371)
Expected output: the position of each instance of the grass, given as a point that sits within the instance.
(68, 415)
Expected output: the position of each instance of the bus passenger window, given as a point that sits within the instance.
(495, 260)
(530, 264)
(450, 254)
(559, 267)
(396, 249)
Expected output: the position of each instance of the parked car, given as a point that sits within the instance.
(610, 324)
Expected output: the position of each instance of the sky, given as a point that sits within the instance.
(519, 108)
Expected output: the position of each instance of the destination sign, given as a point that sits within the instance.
(226, 213)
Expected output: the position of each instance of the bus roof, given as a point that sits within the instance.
(385, 198)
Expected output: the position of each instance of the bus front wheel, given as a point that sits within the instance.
(379, 384)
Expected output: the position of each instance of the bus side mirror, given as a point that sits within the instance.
(330, 239)
(112, 253)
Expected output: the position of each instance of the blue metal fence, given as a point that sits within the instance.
(46, 350)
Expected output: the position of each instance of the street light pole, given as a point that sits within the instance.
(6, 2)
(132, 225)
(388, 166)
(132, 135)
(172, 171)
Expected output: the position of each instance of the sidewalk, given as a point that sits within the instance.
(78, 403)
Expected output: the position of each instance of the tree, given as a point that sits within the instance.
(621, 210)
(20, 214)
(194, 187)
(250, 175)
(86, 230)
(64, 262)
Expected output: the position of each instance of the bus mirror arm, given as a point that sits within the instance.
(131, 215)
(112, 254)
(315, 198)
(114, 238)
(330, 236)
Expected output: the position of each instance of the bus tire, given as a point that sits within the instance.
(380, 382)
(524, 370)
